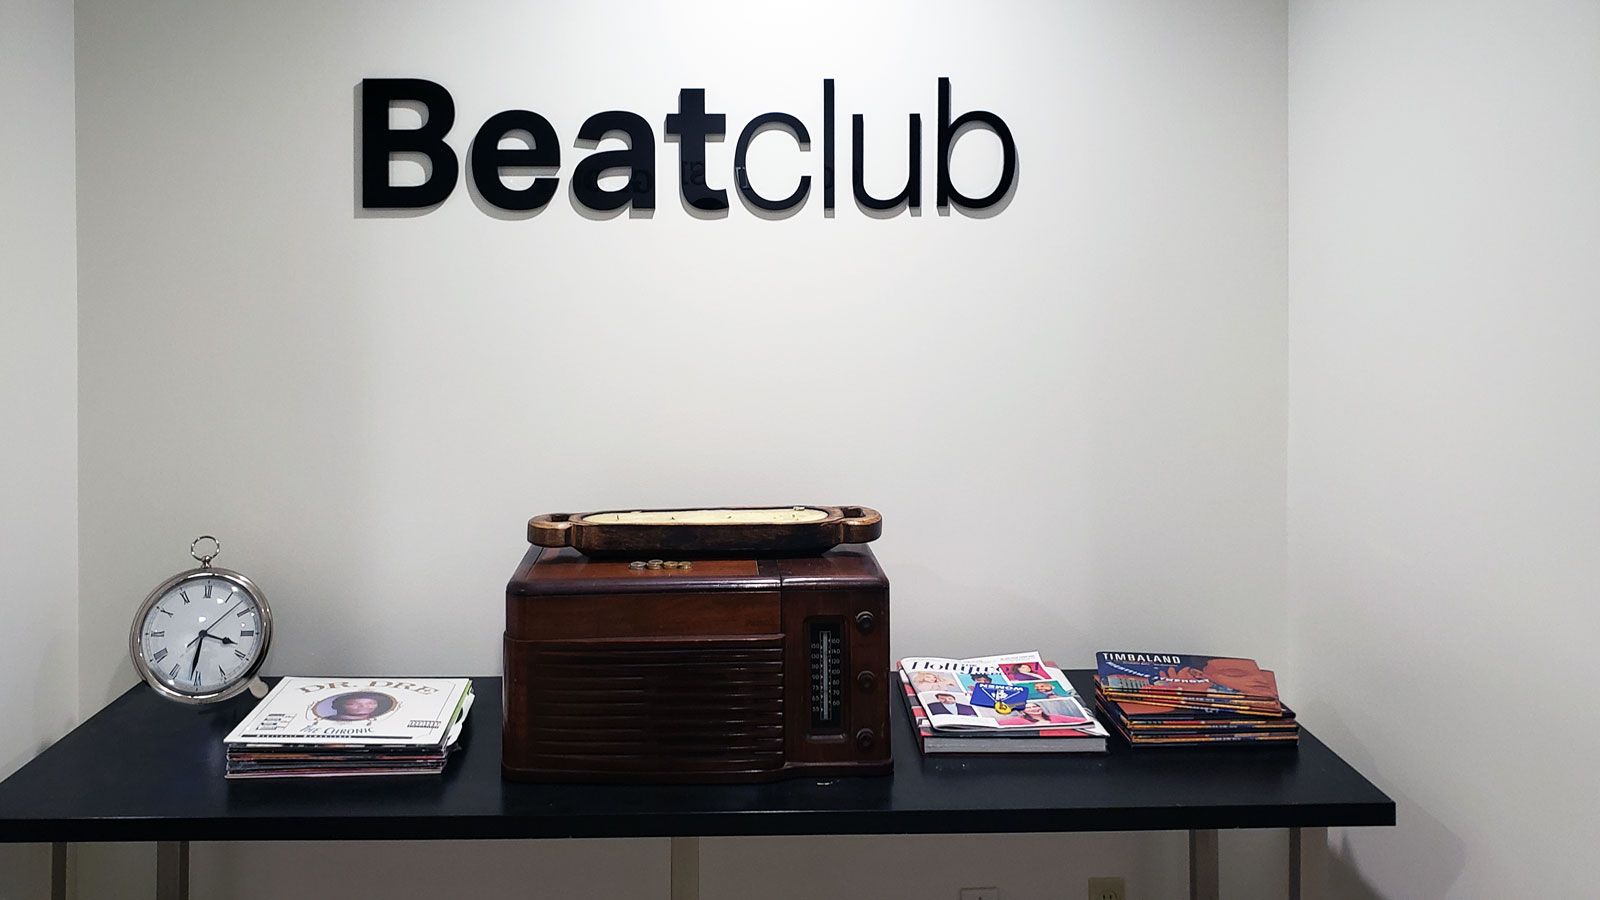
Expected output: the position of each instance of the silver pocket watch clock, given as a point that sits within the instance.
(202, 635)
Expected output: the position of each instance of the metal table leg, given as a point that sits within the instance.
(63, 871)
(1204, 872)
(1308, 863)
(172, 870)
(685, 868)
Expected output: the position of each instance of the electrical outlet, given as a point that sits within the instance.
(1108, 889)
(980, 893)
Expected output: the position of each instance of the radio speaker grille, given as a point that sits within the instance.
(647, 706)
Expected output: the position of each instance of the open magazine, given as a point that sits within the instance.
(1013, 693)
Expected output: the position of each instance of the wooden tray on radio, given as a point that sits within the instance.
(710, 531)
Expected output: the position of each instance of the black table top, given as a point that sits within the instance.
(147, 769)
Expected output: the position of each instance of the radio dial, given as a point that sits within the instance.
(866, 621)
(865, 737)
(866, 680)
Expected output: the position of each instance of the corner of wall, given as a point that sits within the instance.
(38, 378)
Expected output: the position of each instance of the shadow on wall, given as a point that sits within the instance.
(987, 212)
(1344, 877)
(901, 205)
(1425, 875)
(489, 209)
(788, 207)
(24, 870)
(1434, 873)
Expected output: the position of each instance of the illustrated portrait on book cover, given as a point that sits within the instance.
(925, 681)
(967, 681)
(355, 706)
(1023, 671)
(1034, 713)
(1241, 675)
(1045, 690)
(1064, 711)
(945, 703)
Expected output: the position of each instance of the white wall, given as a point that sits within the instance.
(1444, 496)
(385, 420)
(38, 397)
(366, 410)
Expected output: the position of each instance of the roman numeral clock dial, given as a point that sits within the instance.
(202, 635)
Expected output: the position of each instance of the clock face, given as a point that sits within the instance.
(203, 635)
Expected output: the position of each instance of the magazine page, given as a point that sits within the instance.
(1180, 674)
(1014, 692)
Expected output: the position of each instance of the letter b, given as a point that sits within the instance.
(949, 131)
(379, 143)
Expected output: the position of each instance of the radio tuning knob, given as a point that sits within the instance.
(866, 680)
(866, 621)
(864, 738)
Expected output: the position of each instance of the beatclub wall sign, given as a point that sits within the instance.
(690, 126)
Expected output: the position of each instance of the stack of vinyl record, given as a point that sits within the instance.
(1178, 699)
(322, 727)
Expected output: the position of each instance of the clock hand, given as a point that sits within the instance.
(203, 633)
(199, 645)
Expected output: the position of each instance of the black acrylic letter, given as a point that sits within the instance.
(741, 173)
(379, 142)
(639, 159)
(488, 159)
(912, 195)
(827, 145)
(691, 125)
(949, 131)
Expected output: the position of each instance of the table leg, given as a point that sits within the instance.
(172, 870)
(685, 868)
(63, 871)
(1204, 872)
(1308, 863)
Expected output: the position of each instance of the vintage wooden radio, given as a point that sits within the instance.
(714, 645)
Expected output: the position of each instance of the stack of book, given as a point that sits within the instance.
(1016, 703)
(321, 727)
(1176, 699)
